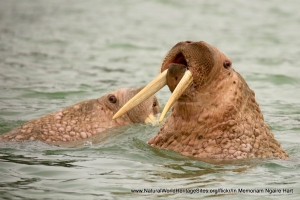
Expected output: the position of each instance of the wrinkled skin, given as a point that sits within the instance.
(84, 119)
(217, 116)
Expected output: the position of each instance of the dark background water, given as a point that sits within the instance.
(56, 53)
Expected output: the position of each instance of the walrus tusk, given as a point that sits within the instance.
(184, 83)
(154, 86)
(151, 119)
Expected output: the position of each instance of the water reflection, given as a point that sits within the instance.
(26, 160)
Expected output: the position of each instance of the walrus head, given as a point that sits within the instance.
(187, 67)
(144, 112)
(86, 118)
(214, 113)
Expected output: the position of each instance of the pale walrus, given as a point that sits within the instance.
(85, 119)
(214, 113)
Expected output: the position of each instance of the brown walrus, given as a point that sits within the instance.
(214, 113)
(85, 119)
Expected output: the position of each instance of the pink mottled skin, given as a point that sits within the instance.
(217, 117)
(84, 119)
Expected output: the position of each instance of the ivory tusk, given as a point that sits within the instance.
(184, 83)
(154, 86)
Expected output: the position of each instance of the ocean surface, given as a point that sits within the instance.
(56, 53)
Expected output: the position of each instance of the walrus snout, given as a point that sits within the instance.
(198, 57)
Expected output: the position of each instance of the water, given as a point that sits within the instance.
(56, 53)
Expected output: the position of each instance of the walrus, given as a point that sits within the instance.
(85, 119)
(215, 114)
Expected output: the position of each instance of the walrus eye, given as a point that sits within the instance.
(227, 64)
(112, 98)
(154, 104)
